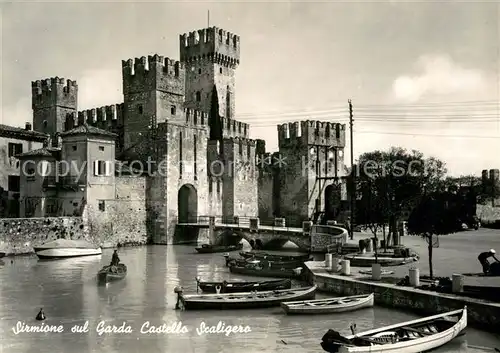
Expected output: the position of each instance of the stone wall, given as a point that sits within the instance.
(322, 236)
(488, 215)
(481, 314)
(19, 235)
(120, 221)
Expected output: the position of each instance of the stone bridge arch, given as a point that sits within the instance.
(256, 240)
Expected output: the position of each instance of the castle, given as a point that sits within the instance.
(204, 163)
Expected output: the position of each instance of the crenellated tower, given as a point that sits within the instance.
(211, 56)
(52, 100)
(311, 167)
(153, 90)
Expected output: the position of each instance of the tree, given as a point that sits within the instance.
(435, 215)
(390, 182)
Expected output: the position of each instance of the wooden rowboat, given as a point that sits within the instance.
(359, 260)
(265, 262)
(415, 336)
(273, 257)
(330, 305)
(255, 269)
(238, 287)
(210, 249)
(112, 273)
(247, 300)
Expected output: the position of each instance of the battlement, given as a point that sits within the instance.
(309, 132)
(154, 72)
(213, 44)
(107, 117)
(234, 128)
(240, 141)
(195, 117)
(260, 147)
(54, 91)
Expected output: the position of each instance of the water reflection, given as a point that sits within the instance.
(68, 291)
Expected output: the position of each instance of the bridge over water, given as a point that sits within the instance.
(225, 230)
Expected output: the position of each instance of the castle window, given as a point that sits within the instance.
(210, 186)
(220, 35)
(30, 175)
(14, 183)
(218, 186)
(180, 155)
(172, 109)
(240, 148)
(198, 96)
(101, 148)
(45, 123)
(73, 147)
(220, 70)
(102, 205)
(139, 108)
(337, 131)
(195, 153)
(15, 149)
(101, 168)
(199, 71)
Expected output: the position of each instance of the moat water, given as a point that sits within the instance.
(68, 292)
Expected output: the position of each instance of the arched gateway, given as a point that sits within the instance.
(187, 204)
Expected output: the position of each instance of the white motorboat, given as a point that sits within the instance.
(64, 248)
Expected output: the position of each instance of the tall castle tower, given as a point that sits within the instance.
(211, 56)
(52, 100)
(311, 164)
(153, 90)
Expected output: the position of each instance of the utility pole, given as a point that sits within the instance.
(353, 173)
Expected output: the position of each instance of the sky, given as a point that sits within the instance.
(421, 75)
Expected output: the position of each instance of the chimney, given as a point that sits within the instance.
(27, 127)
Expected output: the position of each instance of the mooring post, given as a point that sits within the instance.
(211, 229)
(457, 283)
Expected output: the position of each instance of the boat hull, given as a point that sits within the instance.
(246, 300)
(106, 276)
(422, 344)
(64, 253)
(273, 257)
(358, 302)
(218, 248)
(368, 261)
(238, 287)
(268, 263)
(265, 272)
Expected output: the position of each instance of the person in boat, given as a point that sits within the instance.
(483, 259)
(115, 260)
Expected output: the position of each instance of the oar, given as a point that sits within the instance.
(484, 348)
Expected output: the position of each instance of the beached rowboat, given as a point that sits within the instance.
(360, 260)
(265, 262)
(329, 305)
(256, 269)
(414, 336)
(273, 257)
(247, 300)
(238, 287)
